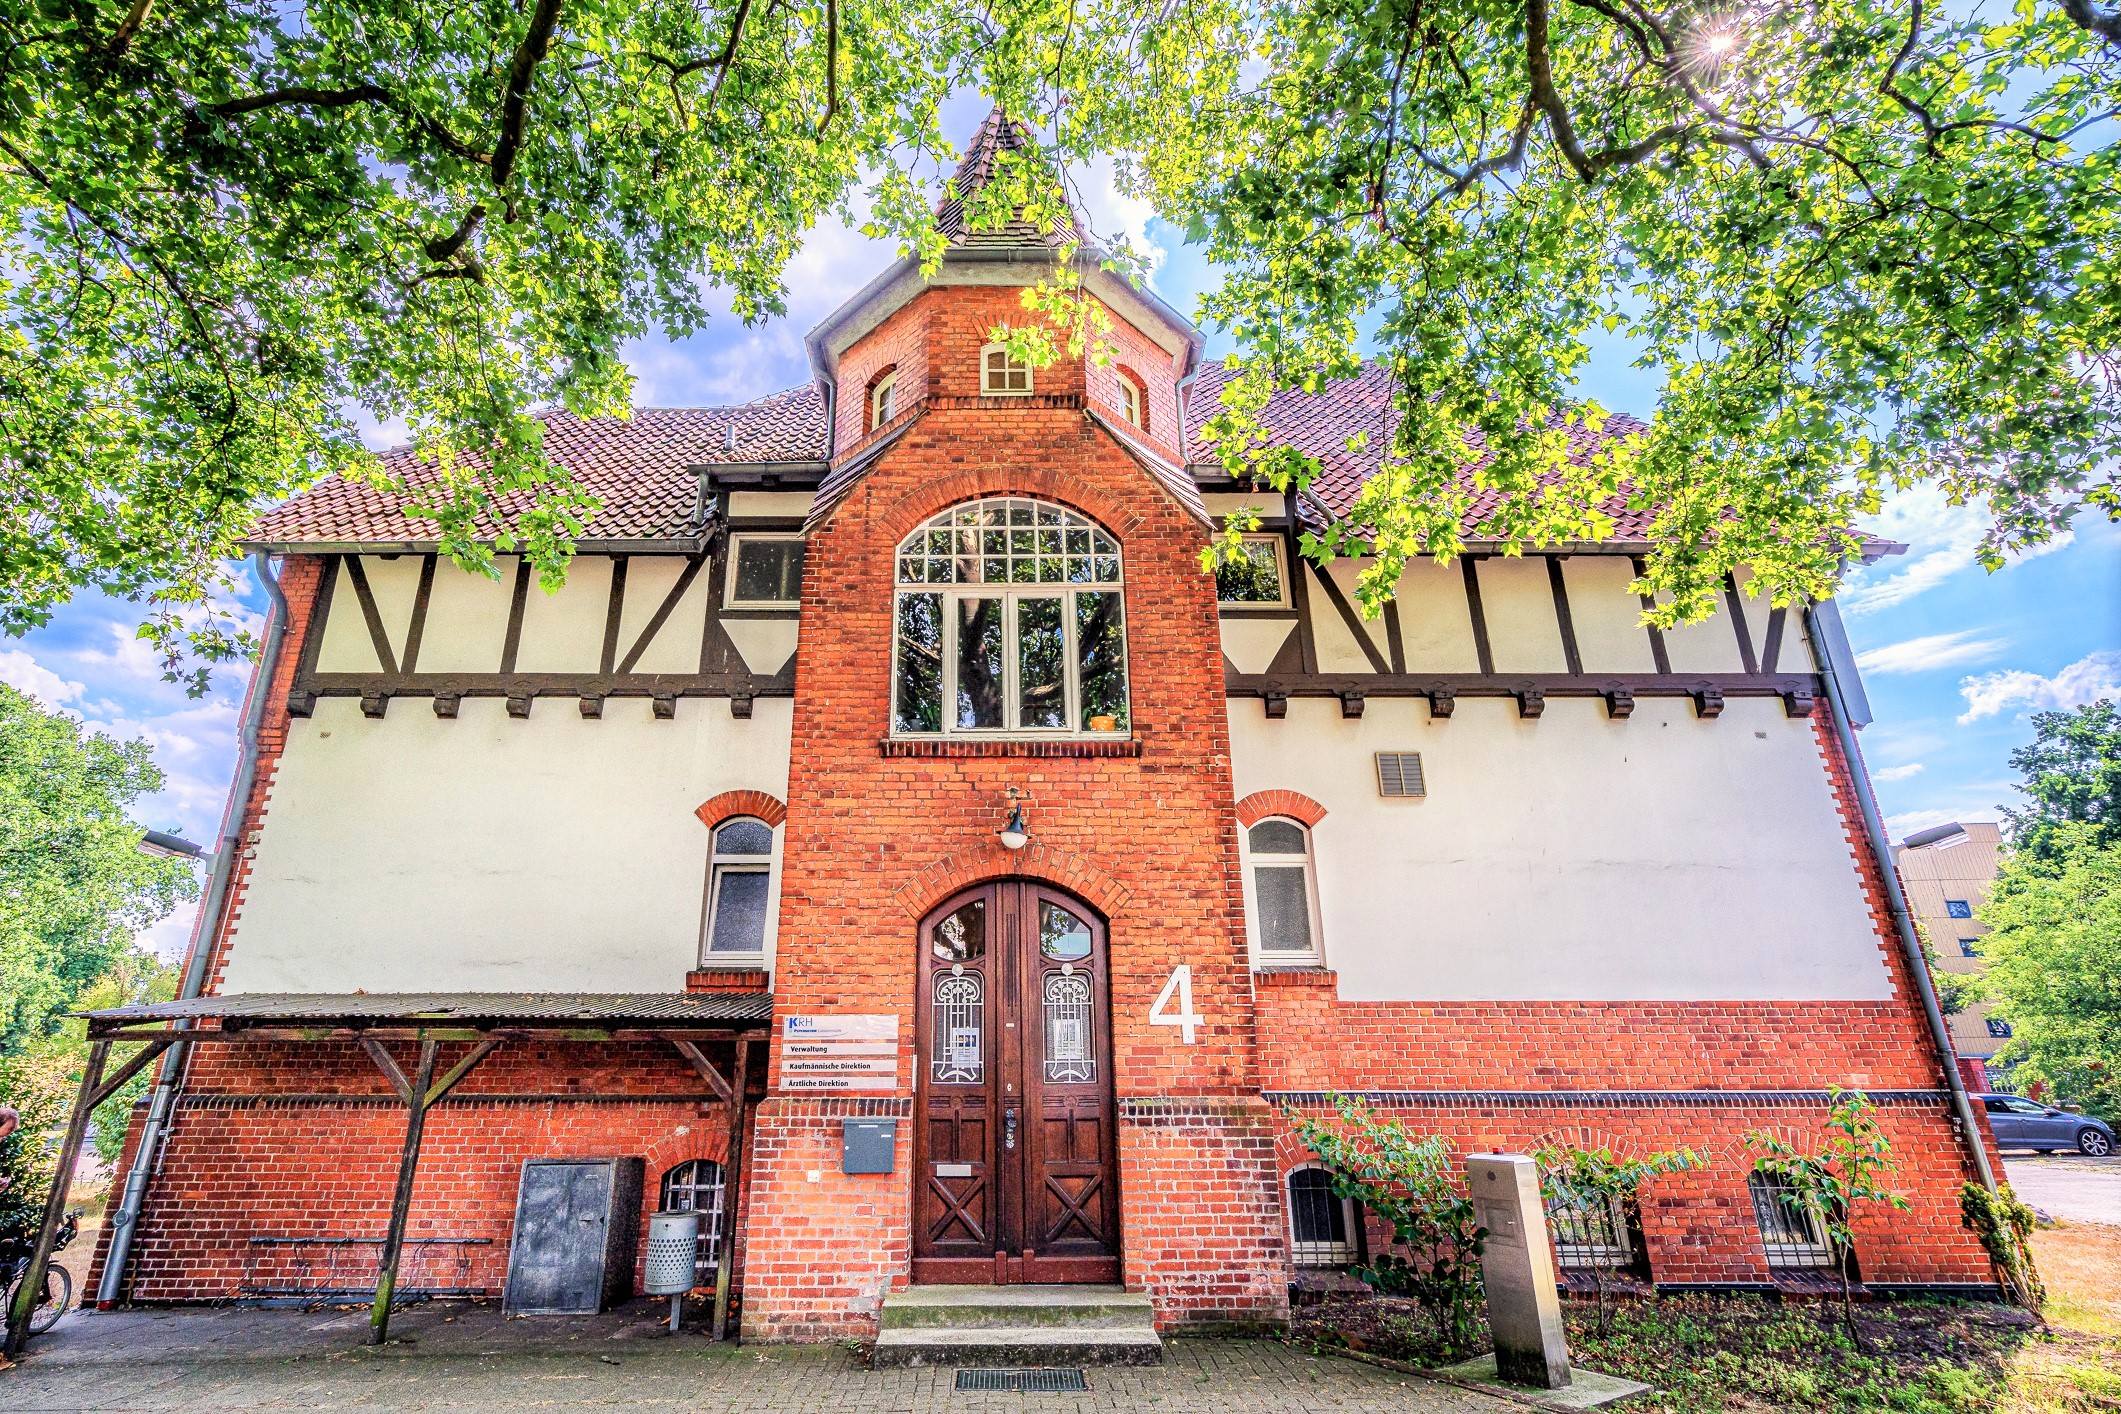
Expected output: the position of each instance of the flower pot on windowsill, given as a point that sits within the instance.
(1104, 724)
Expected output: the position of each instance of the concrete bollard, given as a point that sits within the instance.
(1517, 1272)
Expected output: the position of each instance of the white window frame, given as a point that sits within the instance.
(1010, 365)
(1281, 577)
(1130, 401)
(1261, 955)
(1011, 596)
(881, 396)
(736, 542)
(719, 864)
(1318, 1255)
(1013, 593)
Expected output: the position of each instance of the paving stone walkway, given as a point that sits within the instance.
(469, 1358)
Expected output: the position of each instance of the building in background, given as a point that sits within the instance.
(1947, 871)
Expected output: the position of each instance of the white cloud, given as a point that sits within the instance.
(1899, 827)
(2086, 680)
(25, 674)
(1936, 650)
(1889, 774)
(1942, 540)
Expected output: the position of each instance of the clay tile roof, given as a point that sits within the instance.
(639, 467)
(996, 135)
(1321, 425)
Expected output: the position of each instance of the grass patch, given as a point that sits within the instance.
(1709, 1353)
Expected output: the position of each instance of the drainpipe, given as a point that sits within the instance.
(1896, 899)
(125, 1221)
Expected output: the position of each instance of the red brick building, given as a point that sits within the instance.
(898, 708)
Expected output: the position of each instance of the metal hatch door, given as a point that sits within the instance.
(556, 1259)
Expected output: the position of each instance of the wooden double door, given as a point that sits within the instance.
(1016, 1165)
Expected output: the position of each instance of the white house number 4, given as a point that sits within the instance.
(1185, 1018)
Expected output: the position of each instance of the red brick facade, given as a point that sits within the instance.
(1143, 838)
(280, 1143)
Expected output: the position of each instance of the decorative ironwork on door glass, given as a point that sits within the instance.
(1067, 1009)
(960, 1029)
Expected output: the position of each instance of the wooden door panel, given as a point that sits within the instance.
(1017, 1172)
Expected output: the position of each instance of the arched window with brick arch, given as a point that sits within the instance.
(1281, 892)
(1325, 1229)
(1133, 395)
(739, 910)
(695, 1186)
(883, 397)
(1009, 622)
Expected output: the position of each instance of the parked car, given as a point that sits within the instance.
(2027, 1124)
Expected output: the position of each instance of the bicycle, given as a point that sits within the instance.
(58, 1281)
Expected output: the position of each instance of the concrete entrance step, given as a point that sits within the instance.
(1018, 1325)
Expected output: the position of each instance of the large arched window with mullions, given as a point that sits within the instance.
(1009, 621)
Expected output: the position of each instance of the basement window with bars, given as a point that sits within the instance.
(1794, 1237)
(1009, 622)
(695, 1186)
(1589, 1231)
(1399, 773)
(1322, 1224)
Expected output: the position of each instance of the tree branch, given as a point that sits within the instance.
(2104, 23)
(514, 103)
(832, 64)
(441, 250)
(304, 97)
(122, 39)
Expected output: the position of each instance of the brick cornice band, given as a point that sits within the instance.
(1262, 803)
(731, 803)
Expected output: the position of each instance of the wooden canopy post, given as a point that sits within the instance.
(95, 1089)
(732, 1189)
(420, 1094)
(415, 1097)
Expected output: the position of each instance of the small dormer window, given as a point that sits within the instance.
(882, 397)
(1002, 374)
(1132, 405)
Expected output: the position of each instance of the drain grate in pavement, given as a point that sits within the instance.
(1026, 1381)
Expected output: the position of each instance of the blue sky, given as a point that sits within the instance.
(1954, 657)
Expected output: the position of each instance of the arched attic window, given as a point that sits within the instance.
(1133, 396)
(1009, 621)
(883, 397)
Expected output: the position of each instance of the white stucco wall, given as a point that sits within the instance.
(490, 854)
(1572, 856)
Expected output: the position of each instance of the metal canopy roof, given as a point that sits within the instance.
(454, 1009)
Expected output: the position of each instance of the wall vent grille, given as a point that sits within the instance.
(1399, 773)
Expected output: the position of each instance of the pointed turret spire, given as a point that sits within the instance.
(998, 134)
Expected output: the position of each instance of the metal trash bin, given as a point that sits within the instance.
(673, 1253)
(673, 1259)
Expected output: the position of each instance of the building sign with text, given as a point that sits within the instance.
(850, 1052)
